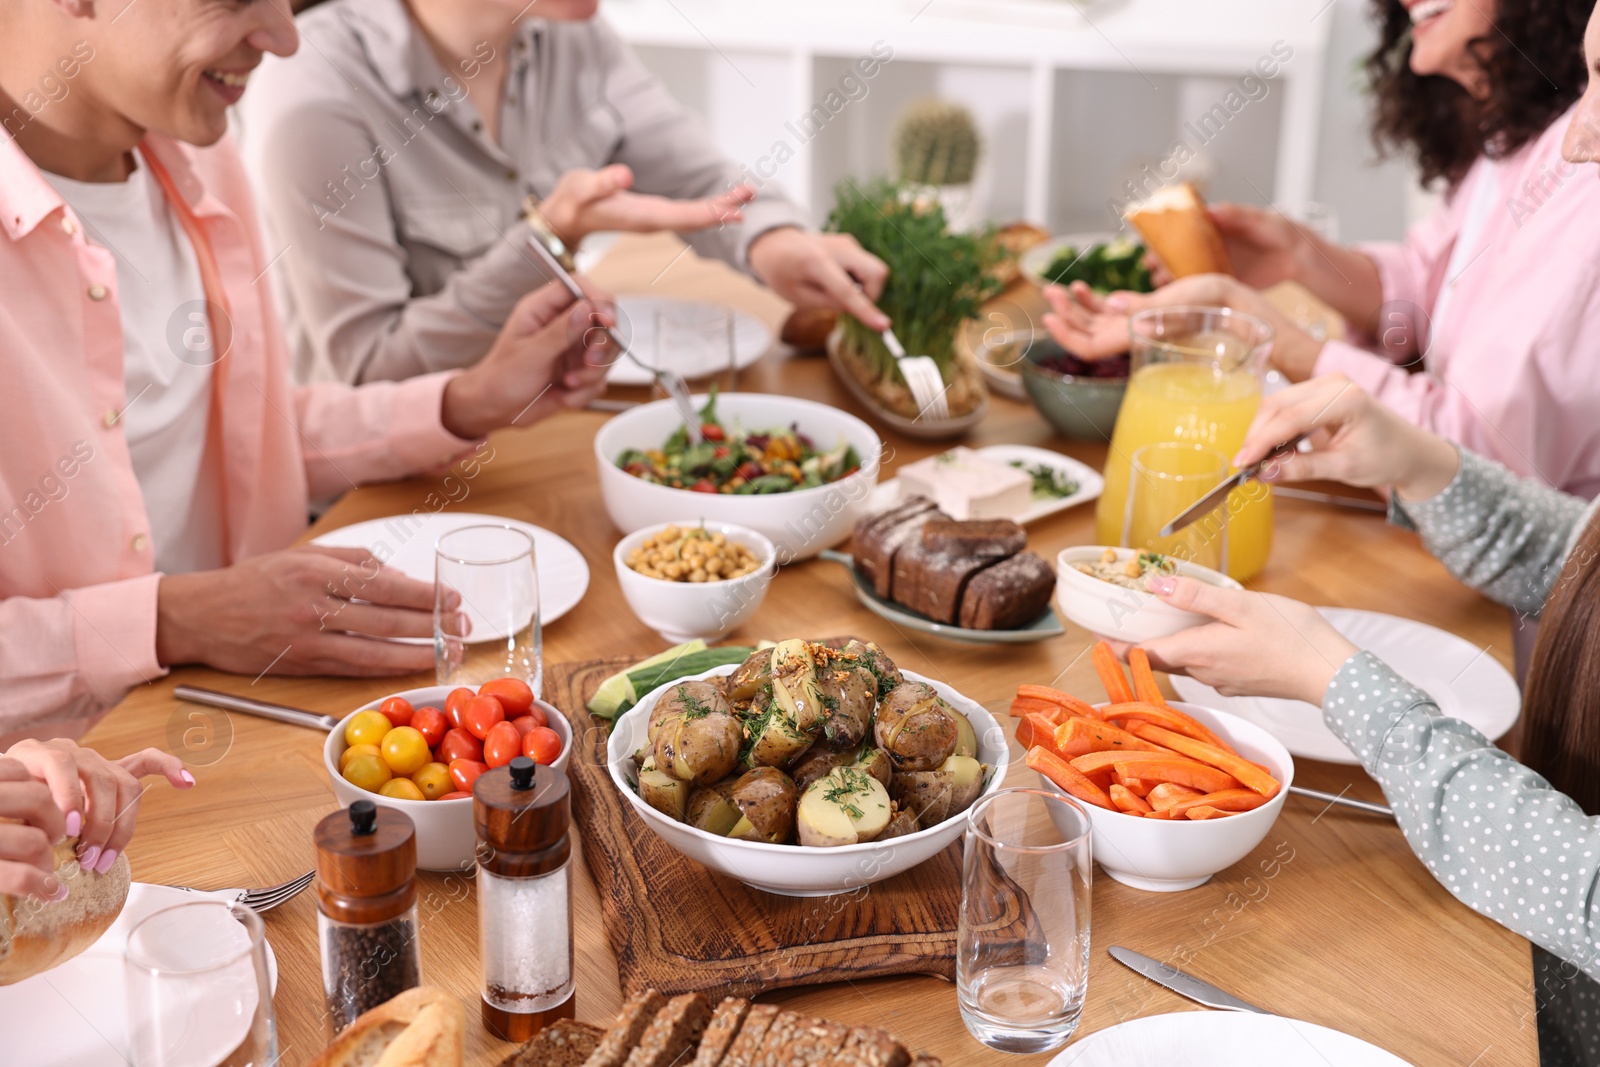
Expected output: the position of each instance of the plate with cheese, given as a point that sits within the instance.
(1016, 482)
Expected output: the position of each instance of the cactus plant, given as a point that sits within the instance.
(936, 143)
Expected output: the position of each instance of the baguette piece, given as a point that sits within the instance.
(867, 1046)
(422, 1027)
(721, 1031)
(984, 538)
(672, 1033)
(564, 1043)
(1175, 226)
(36, 935)
(1008, 595)
(747, 1046)
(638, 1011)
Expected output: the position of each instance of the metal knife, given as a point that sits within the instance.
(1186, 985)
(1218, 496)
(251, 706)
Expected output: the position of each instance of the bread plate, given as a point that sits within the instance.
(1046, 625)
(1090, 482)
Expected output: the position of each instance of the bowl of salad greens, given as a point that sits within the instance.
(796, 471)
(1107, 262)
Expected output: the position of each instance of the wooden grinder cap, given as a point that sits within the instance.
(522, 813)
(366, 863)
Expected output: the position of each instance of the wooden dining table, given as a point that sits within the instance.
(1331, 920)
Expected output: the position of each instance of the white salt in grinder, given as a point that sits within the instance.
(522, 813)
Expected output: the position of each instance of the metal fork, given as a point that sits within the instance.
(922, 376)
(259, 900)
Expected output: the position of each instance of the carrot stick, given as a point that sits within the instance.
(1091, 762)
(1034, 730)
(1158, 814)
(1179, 770)
(1204, 811)
(1248, 773)
(1077, 737)
(1170, 718)
(1062, 774)
(1144, 680)
(1128, 802)
(1169, 795)
(1023, 705)
(1055, 696)
(1137, 786)
(1229, 800)
(1105, 664)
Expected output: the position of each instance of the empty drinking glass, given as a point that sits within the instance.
(492, 570)
(198, 990)
(1022, 948)
(1164, 479)
(696, 340)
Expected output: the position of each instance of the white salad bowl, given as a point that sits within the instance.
(683, 611)
(799, 524)
(1164, 856)
(799, 870)
(446, 840)
(1118, 612)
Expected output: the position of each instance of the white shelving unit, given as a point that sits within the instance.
(1071, 103)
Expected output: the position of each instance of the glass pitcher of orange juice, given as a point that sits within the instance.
(1195, 376)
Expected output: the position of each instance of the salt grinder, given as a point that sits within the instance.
(366, 908)
(522, 813)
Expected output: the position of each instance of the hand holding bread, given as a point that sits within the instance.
(422, 1027)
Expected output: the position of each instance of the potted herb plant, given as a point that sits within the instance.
(938, 281)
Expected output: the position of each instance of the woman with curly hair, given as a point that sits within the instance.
(1495, 299)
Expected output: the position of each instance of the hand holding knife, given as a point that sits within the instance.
(1218, 496)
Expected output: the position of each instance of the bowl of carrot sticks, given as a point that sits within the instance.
(1175, 792)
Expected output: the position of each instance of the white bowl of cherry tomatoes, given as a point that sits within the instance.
(420, 751)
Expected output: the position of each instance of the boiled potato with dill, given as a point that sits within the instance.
(693, 555)
(876, 762)
(849, 695)
(711, 808)
(748, 678)
(916, 728)
(794, 685)
(933, 796)
(877, 661)
(699, 740)
(770, 738)
(845, 808)
(660, 790)
(817, 763)
(766, 799)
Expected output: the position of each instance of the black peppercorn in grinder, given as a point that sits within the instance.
(366, 908)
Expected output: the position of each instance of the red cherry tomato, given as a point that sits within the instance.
(542, 745)
(463, 772)
(397, 710)
(458, 744)
(704, 485)
(514, 695)
(455, 704)
(481, 715)
(525, 723)
(431, 724)
(456, 795)
(502, 745)
(712, 432)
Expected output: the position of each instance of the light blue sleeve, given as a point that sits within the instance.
(1494, 833)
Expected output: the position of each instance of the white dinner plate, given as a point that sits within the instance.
(406, 543)
(76, 1014)
(1090, 483)
(636, 325)
(1221, 1039)
(1466, 682)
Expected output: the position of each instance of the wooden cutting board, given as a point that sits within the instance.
(679, 927)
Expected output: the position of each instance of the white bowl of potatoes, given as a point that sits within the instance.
(807, 771)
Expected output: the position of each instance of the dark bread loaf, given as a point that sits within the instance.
(747, 1046)
(986, 538)
(564, 1043)
(721, 1031)
(673, 1032)
(638, 1011)
(931, 583)
(1008, 595)
(877, 546)
(868, 1046)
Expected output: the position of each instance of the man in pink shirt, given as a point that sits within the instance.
(115, 115)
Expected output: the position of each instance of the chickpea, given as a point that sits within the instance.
(678, 555)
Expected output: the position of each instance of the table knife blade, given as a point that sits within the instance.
(1181, 983)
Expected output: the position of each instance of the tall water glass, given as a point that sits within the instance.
(1022, 948)
(697, 340)
(198, 990)
(492, 570)
(1164, 480)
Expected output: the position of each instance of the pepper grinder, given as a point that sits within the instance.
(522, 813)
(366, 908)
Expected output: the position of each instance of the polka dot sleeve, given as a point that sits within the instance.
(1503, 535)
(1493, 832)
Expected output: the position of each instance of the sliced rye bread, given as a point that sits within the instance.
(747, 1046)
(638, 1011)
(564, 1043)
(988, 538)
(875, 552)
(721, 1031)
(931, 583)
(775, 1048)
(814, 1043)
(867, 1046)
(1008, 595)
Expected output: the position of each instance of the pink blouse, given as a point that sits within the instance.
(1511, 371)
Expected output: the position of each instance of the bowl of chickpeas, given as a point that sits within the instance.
(694, 578)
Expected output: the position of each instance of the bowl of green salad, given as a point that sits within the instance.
(1106, 262)
(798, 472)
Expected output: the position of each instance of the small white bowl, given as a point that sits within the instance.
(1117, 612)
(800, 524)
(446, 840)
(1165, 856)
(683, 611)
(798, 870)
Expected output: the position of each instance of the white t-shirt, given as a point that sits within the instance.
(166, 363)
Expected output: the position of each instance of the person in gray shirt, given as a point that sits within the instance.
(395, 151)
(1518, 843)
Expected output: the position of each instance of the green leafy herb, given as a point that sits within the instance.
(693, 706)
(852, 783)
(1155, 561)
(1048, 482)
(1104, 268)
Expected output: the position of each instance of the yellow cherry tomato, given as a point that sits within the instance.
(356, 750)
(401, 789)
(367, 728)
(405, 750)
(367, 772)
(434, 780)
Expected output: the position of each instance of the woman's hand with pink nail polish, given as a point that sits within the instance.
(30, 825)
